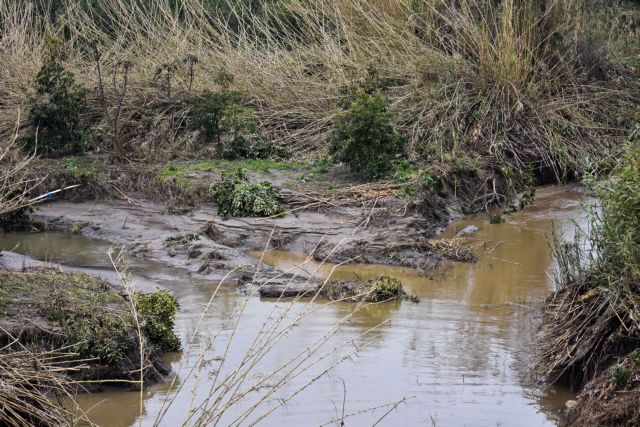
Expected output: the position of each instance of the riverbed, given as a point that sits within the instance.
(461, 356)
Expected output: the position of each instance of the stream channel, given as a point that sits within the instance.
(461, 356)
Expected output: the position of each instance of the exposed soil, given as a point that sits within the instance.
(332, 211)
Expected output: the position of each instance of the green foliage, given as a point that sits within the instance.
(222, 118)
(158, 312)
(384, 288)
(364, 138)
(268, 150)
(181, 239)
(71, 164)
(56, 111)
(411, 176)
(619, 234)
(496, 218)
(236, 196)
(96, 334)
(621, 376)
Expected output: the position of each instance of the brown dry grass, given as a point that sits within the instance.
(503, 83)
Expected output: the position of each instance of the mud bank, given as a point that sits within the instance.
(316, 220)
(45, 308)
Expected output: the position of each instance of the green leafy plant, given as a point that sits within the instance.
(158, 312)
(71, 164)
(621, 376)
(96, 333)
(223, 118)
(384, 288)
(268, 150)
(496, 218)
(56, 110)
(364, 137)
(236, 196)
(181, 239)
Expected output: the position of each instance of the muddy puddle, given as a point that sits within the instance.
(459, 357)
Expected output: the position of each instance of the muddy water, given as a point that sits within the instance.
(459, 356)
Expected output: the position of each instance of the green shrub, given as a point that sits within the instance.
(102, 337)
(621, 376)
(236, 196)
(223, 119)
(364, 138)
(158, 312)
(96, 333)
(56, 111)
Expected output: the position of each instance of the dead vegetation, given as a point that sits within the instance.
(32, 385)
(474, 86)
(591, 330)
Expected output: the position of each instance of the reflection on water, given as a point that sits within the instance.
(460, 354)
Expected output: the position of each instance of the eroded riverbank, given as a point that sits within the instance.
(459, 356)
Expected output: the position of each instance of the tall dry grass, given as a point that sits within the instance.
(15, 184)
(507, 82)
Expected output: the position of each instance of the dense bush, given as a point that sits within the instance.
(364, 137)
(56, 110)
(223, 119)
(268, 150)
(158, 312)
(236, 196)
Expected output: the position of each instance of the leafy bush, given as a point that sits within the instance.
(236, 196)
(364, 138)
(96, 333)
(101, 337)
(56, 111)
(268, 150)
(158, 313)
(223, 119)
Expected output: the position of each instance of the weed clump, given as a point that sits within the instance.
(384, 288)
(381, 289)
(56, 111)
(223, 119)
(180, 240)
(364, 137)
(496, 218)
(237, 197)
(158, 313)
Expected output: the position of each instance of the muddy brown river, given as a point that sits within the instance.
(460, 357)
